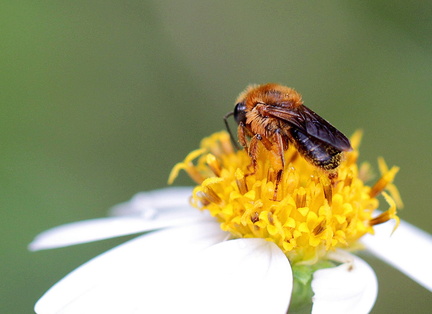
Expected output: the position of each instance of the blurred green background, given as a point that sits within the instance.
(99, 99)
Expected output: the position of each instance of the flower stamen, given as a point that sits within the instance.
(320, 228)
(241, 181)
(328, 193)
(213, 164)
(386, 179)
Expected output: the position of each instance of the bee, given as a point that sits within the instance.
(275, 116)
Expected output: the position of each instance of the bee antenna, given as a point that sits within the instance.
(229, 114)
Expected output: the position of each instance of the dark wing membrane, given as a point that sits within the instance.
(312, 124)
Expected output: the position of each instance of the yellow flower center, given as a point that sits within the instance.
(310, 215)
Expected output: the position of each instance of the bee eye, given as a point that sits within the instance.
(240, 112)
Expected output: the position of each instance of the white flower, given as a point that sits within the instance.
(188, 264)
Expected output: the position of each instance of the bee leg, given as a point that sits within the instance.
(333, 176)
(278, 180)
(278, 150)
(253, 152)
(254, 149)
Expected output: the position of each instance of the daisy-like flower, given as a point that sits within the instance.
(243, 251)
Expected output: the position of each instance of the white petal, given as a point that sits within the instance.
(146, 211)
(408, 249)
(237, 276)
(147, 204)
(351, 287)
(124, 279)
(104, 228)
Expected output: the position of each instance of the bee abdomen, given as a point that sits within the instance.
(317, 152)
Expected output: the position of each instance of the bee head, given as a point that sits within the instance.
(240, 113)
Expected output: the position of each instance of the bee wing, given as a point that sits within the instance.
(312, 124)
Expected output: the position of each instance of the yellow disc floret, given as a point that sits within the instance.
(310, 214)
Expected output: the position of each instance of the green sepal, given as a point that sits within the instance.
(301, 298)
